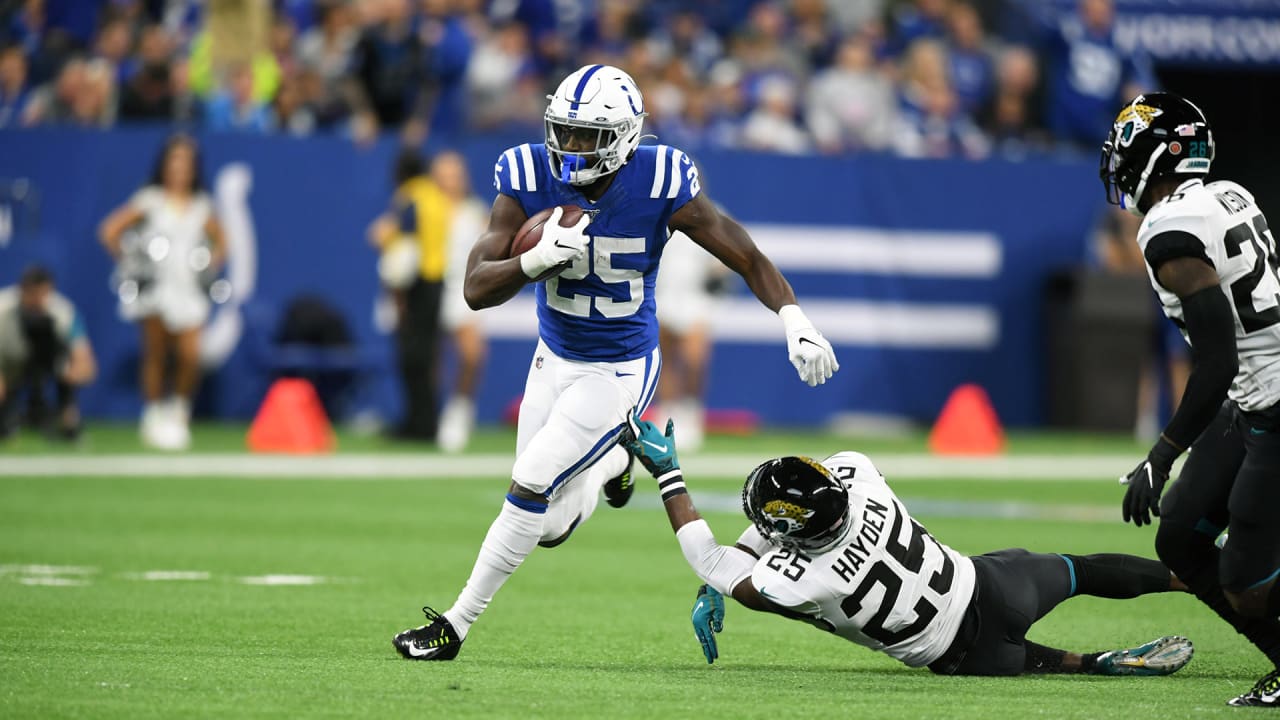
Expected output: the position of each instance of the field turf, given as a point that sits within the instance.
(595, 628)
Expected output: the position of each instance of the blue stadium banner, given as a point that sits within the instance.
(1216, 33)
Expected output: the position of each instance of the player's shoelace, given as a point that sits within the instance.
(1269, 685)
(440, 638)
(1265, 692)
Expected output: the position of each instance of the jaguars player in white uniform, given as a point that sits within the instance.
(830, 544)
(597, 356)
(1212, 260)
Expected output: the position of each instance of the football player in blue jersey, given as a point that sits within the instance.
(597, 355)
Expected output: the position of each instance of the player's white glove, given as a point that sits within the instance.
(810, 353)
(558, 246)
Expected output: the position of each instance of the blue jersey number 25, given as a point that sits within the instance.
(603, 248)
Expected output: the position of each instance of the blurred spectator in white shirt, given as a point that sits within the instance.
(500, 85)
(51, 102)
(727, 104)
(851, 105)
(772, 125)
(326, 48)
(324, 55)
(83, 94)
(95, 105)
(850, 16)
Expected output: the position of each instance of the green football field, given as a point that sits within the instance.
(222, 590)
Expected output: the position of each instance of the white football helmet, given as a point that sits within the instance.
(593, 123)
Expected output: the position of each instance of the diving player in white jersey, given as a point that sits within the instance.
(832, 545)
(1212, 261)
(597, 355)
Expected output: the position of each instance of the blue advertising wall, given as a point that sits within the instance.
(926, 274)
(1205, 33)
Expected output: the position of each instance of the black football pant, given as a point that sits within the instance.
(419, 338)
(1231, 481)
(1015, 588)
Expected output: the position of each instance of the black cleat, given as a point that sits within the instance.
(618, 490)
(437, 640)
(1265, 693)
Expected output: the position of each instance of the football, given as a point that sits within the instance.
(530, 233)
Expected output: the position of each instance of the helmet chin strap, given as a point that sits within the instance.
(1132, 207)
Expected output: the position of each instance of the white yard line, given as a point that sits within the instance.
(411, 467)
(277, 580)
(74, 576)
(47, 570)
(53, 581)
(169, 575)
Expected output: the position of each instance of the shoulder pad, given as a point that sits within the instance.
(520, 169)
(1221, 185)
(674, 176)
(863, 469)
(1188, 218)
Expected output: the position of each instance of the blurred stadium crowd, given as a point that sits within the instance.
(920, 78)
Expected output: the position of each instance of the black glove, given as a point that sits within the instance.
(1146, 482)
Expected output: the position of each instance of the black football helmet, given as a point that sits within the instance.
(797, 503)
(1156, 134)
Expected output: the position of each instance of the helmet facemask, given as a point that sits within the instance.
(1124, 179)
(582, 151)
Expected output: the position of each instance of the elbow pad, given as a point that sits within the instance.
(720, 567)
